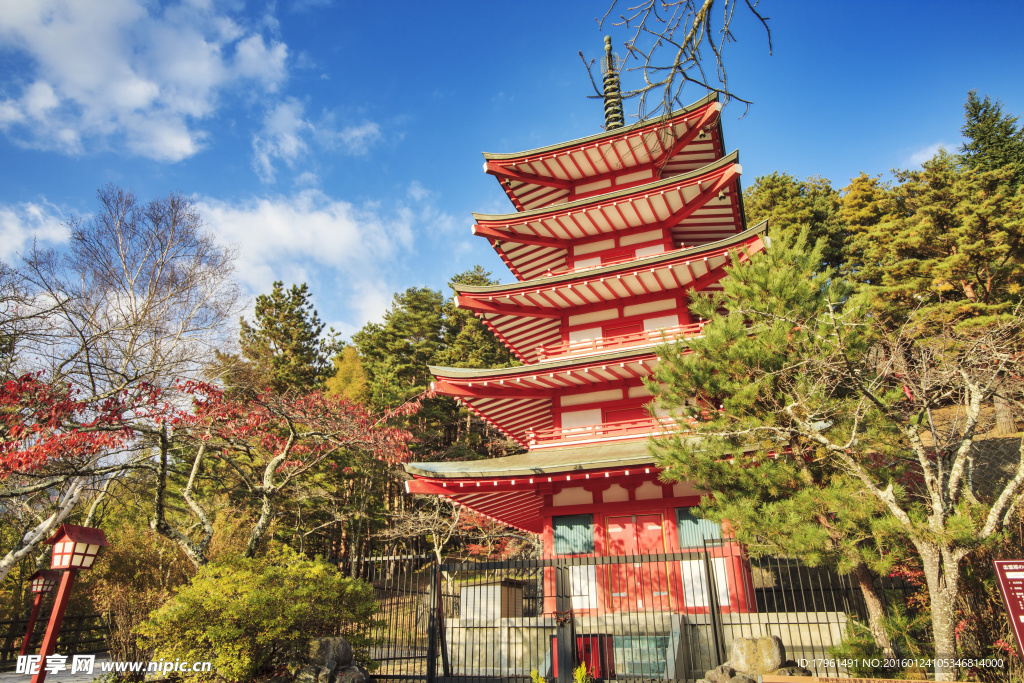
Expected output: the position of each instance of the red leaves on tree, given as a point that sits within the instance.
(40, 423)
(302, 430)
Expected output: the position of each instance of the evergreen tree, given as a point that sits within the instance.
(349, 378)
(793, 205)
(953, 246)
(283, 349)
(992, 139)
(395, 354)
(467, 341)
(802, 405)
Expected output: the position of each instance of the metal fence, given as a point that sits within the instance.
(651, 617)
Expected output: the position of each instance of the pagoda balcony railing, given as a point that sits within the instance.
(599, 344)
(622, 430)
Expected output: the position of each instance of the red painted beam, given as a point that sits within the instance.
(478, 306)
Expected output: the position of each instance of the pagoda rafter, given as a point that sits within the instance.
(649, 217)
(530, 317)
(683, 140)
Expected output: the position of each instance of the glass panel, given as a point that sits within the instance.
(80, 547)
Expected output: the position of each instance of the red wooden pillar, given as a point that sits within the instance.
(37, 602)
(56, 617)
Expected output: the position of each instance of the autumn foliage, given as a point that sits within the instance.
(40, 423)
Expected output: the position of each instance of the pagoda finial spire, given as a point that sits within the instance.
(612, 97)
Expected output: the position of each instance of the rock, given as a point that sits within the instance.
(757, 656)
(742, 654)
(791, 669)
(771, 653)
(324, 677)
(720, 674)
(353, 674)
(308, 674)
(742, 678)
(323, 650)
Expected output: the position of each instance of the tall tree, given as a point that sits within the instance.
(467, 341)
(396, 352)
(262, 447)
(792, 206)
(284, 347)
(801, 369)
(139, 300)
(952, 246)
(992, 139)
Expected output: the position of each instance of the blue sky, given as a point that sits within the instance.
(338, 143)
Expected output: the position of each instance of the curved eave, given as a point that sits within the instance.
(528, 318)
(663, 146)
(688, 209)
(613, 269)
(588, 202)
(519, 400)
(560, 365)
(536, 463)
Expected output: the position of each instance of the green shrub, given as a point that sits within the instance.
(253, 616)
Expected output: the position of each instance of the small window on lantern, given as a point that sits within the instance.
(76, 547)
(43, 581)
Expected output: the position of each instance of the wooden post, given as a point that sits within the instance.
(56, 617)
(435, 596)
(37, 602)
(566, 647)
(714, 608)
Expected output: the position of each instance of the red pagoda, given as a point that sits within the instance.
(611, 236)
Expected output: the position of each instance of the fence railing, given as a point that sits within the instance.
(653, 617)
(84, 633)
(605, 431)
(599, 344)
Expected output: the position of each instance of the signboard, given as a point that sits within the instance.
(1011, 584)
(820, 679)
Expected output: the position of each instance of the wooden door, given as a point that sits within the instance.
(636, 586)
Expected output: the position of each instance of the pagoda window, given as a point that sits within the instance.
(695, 530)
(574, 534)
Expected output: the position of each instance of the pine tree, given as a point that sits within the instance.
(992, 139)
(467, 341)
(792, 206)
(283, 349)
(349, 378)
(797, 403)
(952, 246)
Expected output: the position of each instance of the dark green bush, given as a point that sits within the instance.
(252, 616)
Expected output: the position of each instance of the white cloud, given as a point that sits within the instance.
(286, 238)
(21, 224)
(281, 138)
(354, 255)
(286, 134)
(925, 153)
(126, 72)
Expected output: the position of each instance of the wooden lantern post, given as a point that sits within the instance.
(40, 583)
(74, 548)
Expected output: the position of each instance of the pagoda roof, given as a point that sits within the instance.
(509, 489)
(696, 206)
(667, 145)
(519, 401)
(527, 316)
